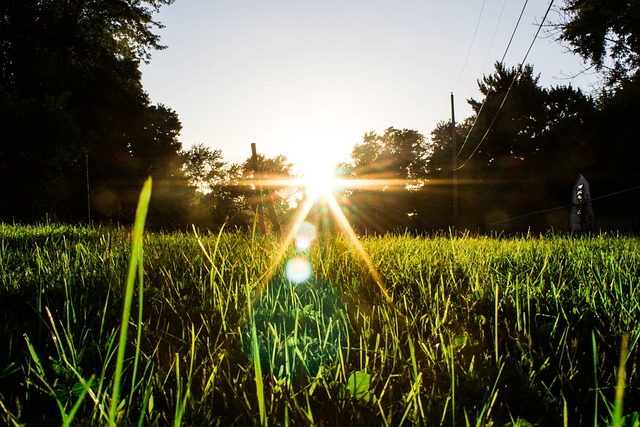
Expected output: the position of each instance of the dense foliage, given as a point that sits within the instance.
(520, 153)
(79, 134)
(605, 33)
(72, 107)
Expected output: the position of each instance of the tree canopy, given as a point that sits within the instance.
(606, 33)
(520, 152)
(79, 132)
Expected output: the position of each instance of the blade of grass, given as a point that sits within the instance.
(69, 418)
(595, 378)
(617, 419)
(258, 373)
(485, 412)
(495, 324)
(138, 327)
(135, 258)
(34, 356)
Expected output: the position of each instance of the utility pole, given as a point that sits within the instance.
(86, 158)
(454, 160)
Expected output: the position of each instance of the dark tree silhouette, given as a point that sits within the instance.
(71, 98)
(605, 33)
(512, 160)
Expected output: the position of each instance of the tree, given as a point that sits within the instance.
(73, 107)
(521, 150)
(230, 194)
(397, 160)
(568, 143)
(513, 113)
(605, 33)
(435, 208)
(500, 142)
(396, 154)
(265, 189)
(33, 157)
(204, 168)
(217, 197)
(439, 162)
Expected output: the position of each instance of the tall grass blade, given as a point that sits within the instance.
(496, 348)
(69, 418)
(34, 356)
(595, 378)
(617, 419)
(138, 328)
(134, 259)
(255, 353)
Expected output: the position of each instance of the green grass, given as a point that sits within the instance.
(481, 331)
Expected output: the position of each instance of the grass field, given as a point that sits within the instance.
(453, 330)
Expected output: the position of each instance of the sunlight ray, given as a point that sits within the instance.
(299, 219)
(313, 197)
(371, 184)
(348, 230)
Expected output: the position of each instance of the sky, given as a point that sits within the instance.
(307, 78)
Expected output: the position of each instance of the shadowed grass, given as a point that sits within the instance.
(482, 330)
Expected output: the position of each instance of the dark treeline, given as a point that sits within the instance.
(516, 156)
(79, 134)
(71, 98)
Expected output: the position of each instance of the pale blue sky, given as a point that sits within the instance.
(307, 78)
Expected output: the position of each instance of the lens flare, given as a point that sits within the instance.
(305, 237)
(298, 270)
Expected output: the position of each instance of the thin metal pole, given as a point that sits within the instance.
(454, 158)
(86, 158)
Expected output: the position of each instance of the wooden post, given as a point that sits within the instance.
(271, 210)
(254, 167)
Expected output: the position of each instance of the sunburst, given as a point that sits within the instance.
(322, 187)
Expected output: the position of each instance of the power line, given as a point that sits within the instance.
(504, 55)
(475, 32)
(495, 33)
(515, 78)
(566, 206)
(466, 60)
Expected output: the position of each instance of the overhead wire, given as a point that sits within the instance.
(504, 55)
(495, 33)
(475, 32)
(515, 78)
(615, 193)
(502, 104)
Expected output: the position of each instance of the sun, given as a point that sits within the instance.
(319, 182)
(317, 170)
(318, 176)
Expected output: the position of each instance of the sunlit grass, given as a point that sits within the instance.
(481, 330)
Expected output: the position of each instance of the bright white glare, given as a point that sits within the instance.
(298, 270)
(303, 242)
(319, 181)
(305, 237)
